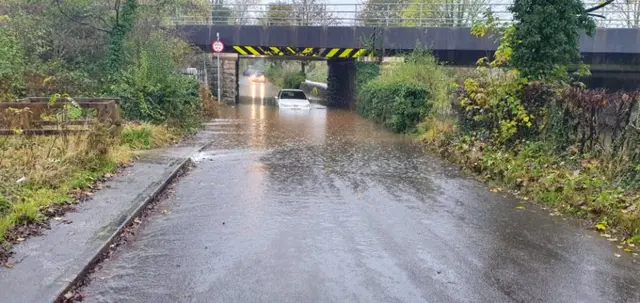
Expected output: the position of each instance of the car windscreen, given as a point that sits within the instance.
(292, 95)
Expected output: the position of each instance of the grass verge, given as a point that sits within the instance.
(569, 183)
(42, 176)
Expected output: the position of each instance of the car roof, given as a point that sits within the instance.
(291, 90)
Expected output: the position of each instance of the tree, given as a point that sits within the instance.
(546, 36)
(451, 13)
(11, 62)
(628, 11)
(220, 14)
(377, 13)
(278, 14)
(298, 13)
(311, 13)
(241, 13)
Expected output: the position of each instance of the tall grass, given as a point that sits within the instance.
(147, 136)
(37, 172)
(40, 171)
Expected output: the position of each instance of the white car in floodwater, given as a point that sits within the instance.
(293, 98)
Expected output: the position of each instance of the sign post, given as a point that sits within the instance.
(218, 47)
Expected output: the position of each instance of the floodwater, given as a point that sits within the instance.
(323, 206)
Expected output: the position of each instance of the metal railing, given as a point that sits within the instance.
(618, 15)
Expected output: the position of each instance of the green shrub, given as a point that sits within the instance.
(293, 80)
(422, 67)
(318, 72)
(365, 72)
(11, 62)
(400, 106)
(404, 94)
(503, 107)
(285, 74)
(174, 101)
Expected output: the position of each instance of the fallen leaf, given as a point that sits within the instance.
(20, 239)
(635, 254)
(601, 226)
(493, 190)
(619, 246)
(57, 218)
(520, 207)
(107, 175)
(137, 220)
(606, 235)
(68, 295)
(9, 265)
(628, 249)
(632, 245)
(617, 255)
(613, 239)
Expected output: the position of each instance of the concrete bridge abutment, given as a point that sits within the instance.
(341, 83)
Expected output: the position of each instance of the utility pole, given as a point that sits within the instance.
(218, 59)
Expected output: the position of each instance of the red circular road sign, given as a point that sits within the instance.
(217, 46)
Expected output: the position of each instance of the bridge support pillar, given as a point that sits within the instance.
(341, 83)
(229, 78)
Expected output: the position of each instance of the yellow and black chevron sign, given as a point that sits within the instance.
(247, 50)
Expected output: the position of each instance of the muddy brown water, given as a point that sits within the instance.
(323, 206)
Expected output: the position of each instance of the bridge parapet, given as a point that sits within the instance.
(382, 14)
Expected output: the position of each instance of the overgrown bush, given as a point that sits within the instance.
(406, 93)
(174, 101)
(400, 106)
(365, 72)
(11, 62)
(209, 104)
(318, 72)
(285, 74)
(293, 80)
(502, 106)
(422, 67)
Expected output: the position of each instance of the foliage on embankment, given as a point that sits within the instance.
(89, 48)
(404, 94)
(570, 148)
(39, 172)
(285, 74)
(93, 49)
(574, 150)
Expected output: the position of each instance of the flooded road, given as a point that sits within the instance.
(322, 206)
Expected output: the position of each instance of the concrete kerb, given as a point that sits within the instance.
(140, 202)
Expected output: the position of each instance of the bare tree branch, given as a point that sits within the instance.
(78, 21)
(599, 6)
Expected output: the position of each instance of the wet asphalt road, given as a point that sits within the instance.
(321, 206)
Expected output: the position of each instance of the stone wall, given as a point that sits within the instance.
(229, 75)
